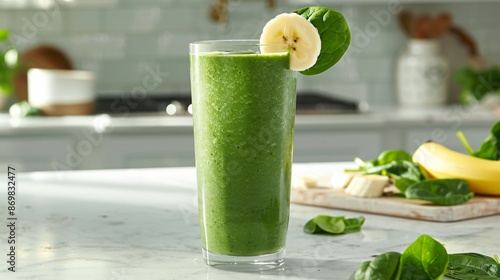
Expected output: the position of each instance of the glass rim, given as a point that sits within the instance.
(233, 42)
(236, 46)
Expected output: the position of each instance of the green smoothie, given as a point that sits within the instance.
(244, 114)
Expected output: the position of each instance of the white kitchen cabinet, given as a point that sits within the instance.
(335, 145)
(130, 150)
(447, 137)
(140, 142)
(154, 149)
(28, 153)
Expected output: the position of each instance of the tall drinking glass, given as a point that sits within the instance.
(244, 116)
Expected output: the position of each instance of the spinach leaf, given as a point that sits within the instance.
(333, 225)
(441, 191)
(495, 139)
(362, 165)
(472, 266)
(487, 150)
(403, 183)
(330, 224)
(353, 224)
(461, 137)
(311, 227)
(334, 34)
(389, 156)
(402, 168)
(423, 259)
(391, 162)
(382, 267)
(490, 148)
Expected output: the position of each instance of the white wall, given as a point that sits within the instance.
(120, 43)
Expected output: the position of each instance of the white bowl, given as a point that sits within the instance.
(52, 90)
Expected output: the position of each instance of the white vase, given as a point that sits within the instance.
(422, 75)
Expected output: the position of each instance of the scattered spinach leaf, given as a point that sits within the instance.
(330, 224)
(353, 224)
(403, 183)
(423, 259)
(333, 225)
(495, 138)
(402, 168)
(441, 191)
(489, 149)
(311, 227)
(461, 137)
(382, 267)
(426, 259)
(389, 156)
(472, 266)
(364, 165)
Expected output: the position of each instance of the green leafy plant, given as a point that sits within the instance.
(333, 225)
(477, 84)
(334, 41)
(425, 258)
(9, 63)
(440, 191)
(23, 109)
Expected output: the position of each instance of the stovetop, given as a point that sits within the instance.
(179, 104)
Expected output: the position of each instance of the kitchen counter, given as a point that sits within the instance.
(143, 224)
(376, 117)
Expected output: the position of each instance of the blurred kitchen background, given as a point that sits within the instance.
(122, 41)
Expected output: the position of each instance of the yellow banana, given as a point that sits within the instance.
(439, 162)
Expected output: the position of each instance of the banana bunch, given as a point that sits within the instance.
(439, 162)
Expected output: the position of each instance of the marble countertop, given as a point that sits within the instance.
(378, 117)
(143, 224)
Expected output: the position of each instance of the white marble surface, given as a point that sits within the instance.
(374, 118)
(142, 224)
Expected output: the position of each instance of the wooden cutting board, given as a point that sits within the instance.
(399, 207)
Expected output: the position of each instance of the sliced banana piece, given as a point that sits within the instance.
(304, 182)
(340, 180)
(310, 182)
(367, 186)
(296, 31)
(298, 183)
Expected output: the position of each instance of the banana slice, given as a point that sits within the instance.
(299, 33)
(367, 186)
